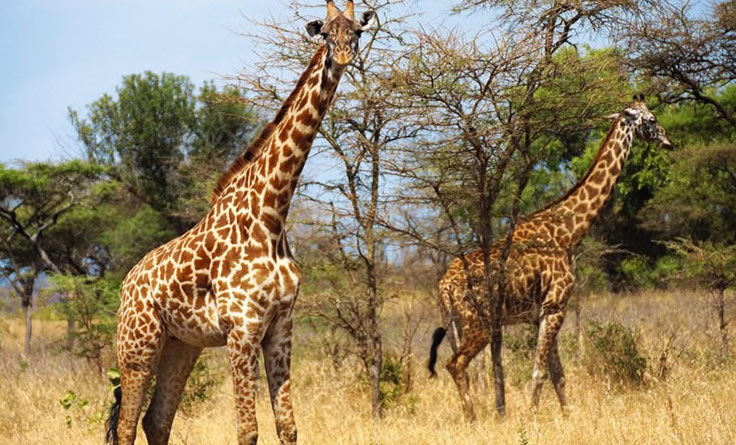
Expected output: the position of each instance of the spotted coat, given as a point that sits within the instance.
(540, 269)
(231, 280)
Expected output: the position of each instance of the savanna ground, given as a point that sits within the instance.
(694, 403)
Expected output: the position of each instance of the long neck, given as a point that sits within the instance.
(569, 218)
(279, 166)
(262, 180)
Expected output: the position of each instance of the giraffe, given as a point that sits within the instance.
(231, 280)
(540, 265)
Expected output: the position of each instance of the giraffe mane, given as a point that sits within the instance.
(256, 146)
(581, 181)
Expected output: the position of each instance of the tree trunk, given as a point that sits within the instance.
(496, 349)
(70, 332)
(27, 306)
(722, 323)
(377, 399)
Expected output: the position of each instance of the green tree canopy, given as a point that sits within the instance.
(164, 141)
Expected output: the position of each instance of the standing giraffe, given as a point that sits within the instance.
(540, 265)
(231, 279)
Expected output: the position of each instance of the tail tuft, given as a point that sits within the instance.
(437, 337)
(112, 422)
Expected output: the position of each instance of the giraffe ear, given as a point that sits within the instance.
(613, 116)
(368, 20)
(314, 27)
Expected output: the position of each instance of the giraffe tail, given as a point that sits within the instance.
(112, 422)
(437, 337)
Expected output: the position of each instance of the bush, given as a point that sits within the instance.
(613, 354)
(390, 381)
(521, 342)
(202, 382)
(637, 272)
(90, 303)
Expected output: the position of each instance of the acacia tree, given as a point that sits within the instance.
(35, 198)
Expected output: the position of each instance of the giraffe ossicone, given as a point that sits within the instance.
(231, 280)
(539, 270)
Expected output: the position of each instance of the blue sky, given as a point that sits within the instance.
(57, 54)
(67, 53)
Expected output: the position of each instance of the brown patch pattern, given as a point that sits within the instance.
(229, 281)
(539, 269)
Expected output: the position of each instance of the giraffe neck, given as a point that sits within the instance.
(281, 163)
(570, 218)
(263, 179)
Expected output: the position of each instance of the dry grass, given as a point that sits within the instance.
(695, 405)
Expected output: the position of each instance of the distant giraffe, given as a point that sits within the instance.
(231, 279)
(540, 266)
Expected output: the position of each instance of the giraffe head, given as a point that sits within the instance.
(341, 31)
(645, 124)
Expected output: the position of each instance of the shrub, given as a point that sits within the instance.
(202, 382)
(521, 343)
(90, 303)
(613, 354)
(637, 272)
(390, 381)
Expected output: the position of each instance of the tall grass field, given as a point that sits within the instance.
(643, 368)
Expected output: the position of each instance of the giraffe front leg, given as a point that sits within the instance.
(137, 354)
(242, 349)
(548, 328)
(277, 357)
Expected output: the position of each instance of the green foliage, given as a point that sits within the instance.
(164, 142)
(202, 382)
(636, 271)
(113, 376)
(521, 342)
(91, 303)
(589, 266)
(613, 354)
(710, 264)
(390, 381)
(700, 200)
(134, 234)
(74, 405)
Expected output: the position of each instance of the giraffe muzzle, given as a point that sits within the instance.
(343, 57)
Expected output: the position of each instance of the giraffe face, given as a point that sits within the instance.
(645, 124)
(341, 31)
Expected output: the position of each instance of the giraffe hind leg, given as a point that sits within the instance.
(557, 375)
(548, 329)
(471, 344)
(175, 364)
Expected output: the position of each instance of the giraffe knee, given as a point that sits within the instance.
(539, 374)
